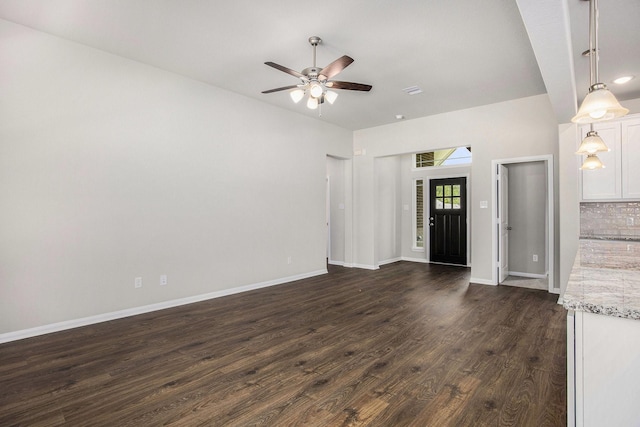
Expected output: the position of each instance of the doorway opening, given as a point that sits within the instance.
(523, 222)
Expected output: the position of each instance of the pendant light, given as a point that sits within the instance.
(599, 104)
(592, 144)
(591, 163)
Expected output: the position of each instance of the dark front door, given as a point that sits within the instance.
(448, 220)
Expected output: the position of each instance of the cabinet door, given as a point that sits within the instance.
(610, 371)
(602, 184)
(631, 159)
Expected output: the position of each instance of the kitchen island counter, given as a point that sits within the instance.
(605, 279)
(603, 334)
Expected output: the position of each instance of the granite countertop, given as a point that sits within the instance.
(605, 279)
(608, 237)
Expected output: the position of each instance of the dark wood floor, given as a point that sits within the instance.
(409, 344)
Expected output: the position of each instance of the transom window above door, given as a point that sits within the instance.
(446, 157)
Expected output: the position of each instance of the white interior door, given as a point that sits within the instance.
(503, 223)
(327, 215)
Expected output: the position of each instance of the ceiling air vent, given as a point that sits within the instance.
(412, 90)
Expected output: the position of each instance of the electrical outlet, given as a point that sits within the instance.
(163, 280)
(137, 283)
(535, 258)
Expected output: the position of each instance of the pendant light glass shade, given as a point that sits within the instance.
(592, 144)
(297, 95)
(599, 105)
(592, 162)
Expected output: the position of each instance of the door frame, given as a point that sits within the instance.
(427, 198)
(502, 207)
(550, 239)
(327, 214)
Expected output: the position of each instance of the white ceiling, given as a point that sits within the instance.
(462, 53)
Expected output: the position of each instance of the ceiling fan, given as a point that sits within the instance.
(317, 81)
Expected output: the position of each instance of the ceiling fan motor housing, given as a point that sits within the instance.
(312, 72)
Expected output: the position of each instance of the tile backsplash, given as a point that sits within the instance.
(610, 220)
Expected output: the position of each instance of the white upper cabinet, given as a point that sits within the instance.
(631, 159)
(620, 178)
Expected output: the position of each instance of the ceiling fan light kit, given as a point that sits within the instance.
(599, 104)
(331, 96)
(296, 95)
(315, 81)
(312, 103)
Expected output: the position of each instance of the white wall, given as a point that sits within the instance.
(111, 169)
(518, 128)
(527, 217)
(388, 218)
(568, 200)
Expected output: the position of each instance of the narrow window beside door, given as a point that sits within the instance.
(419, 212)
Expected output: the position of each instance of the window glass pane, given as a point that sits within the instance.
(447, 190)
(458, 156)
(456, 203)
(424, 159)
(456, 190)
(446, 157)
(439, 203)
(447, 202)
(439, 191)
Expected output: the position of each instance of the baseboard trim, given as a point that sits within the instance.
(389, 261)
(365, 266)
(421, 260)
(85, 321)
(481, 281)
(528, 275)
